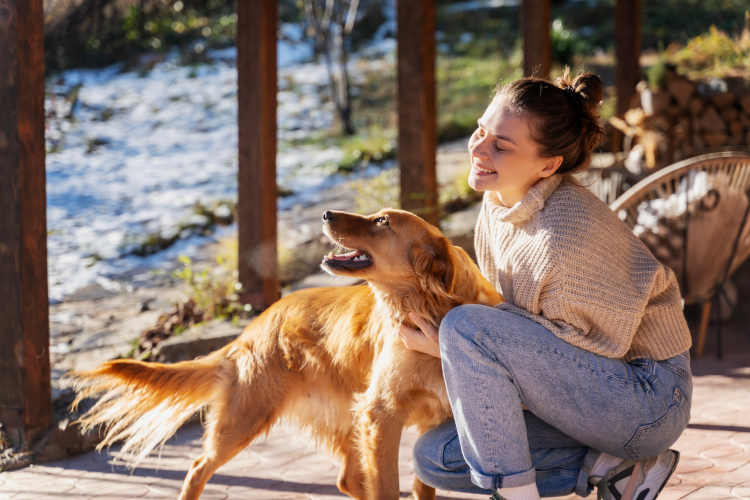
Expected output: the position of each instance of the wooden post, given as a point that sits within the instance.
(535, 21)
(417, 108)
(25, 396)
(256, 206)
(628, 51)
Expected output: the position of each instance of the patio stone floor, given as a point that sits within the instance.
(715, 449)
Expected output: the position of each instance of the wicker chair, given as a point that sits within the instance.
(693, 216)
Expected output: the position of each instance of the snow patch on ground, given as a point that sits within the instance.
(136, 150)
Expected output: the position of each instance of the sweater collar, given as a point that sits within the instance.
(532, 203)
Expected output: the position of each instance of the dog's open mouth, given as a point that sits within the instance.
(351, 260)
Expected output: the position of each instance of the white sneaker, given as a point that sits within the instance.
(638, 479)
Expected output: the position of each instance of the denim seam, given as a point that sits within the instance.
(661, 421)
(682, 399)
(678, 371)
(442, 452)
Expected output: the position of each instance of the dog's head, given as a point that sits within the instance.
(406, 259)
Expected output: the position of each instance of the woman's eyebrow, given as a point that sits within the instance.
(501, 137)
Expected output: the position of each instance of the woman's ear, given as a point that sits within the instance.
(551, 166)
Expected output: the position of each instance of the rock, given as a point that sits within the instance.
(729, 114)
(696, 106)
(745, 103)
(94, 291)
(715, 139)
(681, 89)
(735, 127)
(67, 440)
(724, 99)
(711, 121)
(655, 103)
(674, 111)
(197, 341)
(695, 123)
(736, 139)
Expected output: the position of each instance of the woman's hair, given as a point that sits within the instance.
(564, 120)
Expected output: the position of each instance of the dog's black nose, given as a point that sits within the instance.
(327, 215)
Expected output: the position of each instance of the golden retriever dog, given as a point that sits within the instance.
(329, 359)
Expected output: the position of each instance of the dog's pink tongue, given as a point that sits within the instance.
(347, 256)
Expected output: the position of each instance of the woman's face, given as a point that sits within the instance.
(504, 157)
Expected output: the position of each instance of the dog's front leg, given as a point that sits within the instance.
(380, 436)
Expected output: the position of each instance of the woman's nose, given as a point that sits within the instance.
(477, 148)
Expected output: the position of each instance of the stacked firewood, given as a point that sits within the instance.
(685, 118)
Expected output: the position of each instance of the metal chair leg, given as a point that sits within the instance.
(705, 318)
(718, 326)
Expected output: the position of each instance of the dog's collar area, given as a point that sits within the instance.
(351, 260)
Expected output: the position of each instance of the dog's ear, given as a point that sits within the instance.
(431, 258)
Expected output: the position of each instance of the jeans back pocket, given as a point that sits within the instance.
(656, 437)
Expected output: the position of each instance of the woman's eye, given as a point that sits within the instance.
(497, 148)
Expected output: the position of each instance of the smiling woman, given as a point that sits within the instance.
(581, 377)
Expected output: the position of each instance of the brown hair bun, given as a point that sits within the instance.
(564, 119)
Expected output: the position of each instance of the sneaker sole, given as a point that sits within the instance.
(643, 494)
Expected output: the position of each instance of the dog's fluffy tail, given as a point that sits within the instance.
(143, 404)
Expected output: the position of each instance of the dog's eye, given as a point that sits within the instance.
(381, 221)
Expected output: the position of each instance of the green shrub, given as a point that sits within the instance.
(713, 54)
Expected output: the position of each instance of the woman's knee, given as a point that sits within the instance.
(457, 324)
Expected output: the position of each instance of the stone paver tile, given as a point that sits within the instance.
(711, 493)
(164, 488)
(678, 491)
(737, 476)
(245, 494)
(740, 491)
(24, 481)
(689, 465)
(49, 496)
(114, 486)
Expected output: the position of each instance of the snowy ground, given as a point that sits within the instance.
(136, 150)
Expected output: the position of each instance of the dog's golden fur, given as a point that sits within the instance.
(329, 359)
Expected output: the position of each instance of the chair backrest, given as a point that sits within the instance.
(693, 216)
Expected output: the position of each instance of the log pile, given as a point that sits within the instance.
(686, 118)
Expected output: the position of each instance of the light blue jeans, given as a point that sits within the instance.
(581, 404)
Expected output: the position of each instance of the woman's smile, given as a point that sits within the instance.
(478, 170)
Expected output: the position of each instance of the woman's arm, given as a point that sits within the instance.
(423, 340)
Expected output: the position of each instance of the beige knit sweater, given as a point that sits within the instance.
(562, 258)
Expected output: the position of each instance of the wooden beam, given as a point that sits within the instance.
(256, 206)
(25, 396)
(628, 52)
(537, 48)
(417, 107)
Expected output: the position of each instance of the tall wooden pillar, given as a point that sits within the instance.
(628, 52)
(537, 48)
(25, 396)
(417, 107)
(256, 206)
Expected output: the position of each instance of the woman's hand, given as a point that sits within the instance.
(425, 341)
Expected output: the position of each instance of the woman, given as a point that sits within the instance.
(591, 338)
